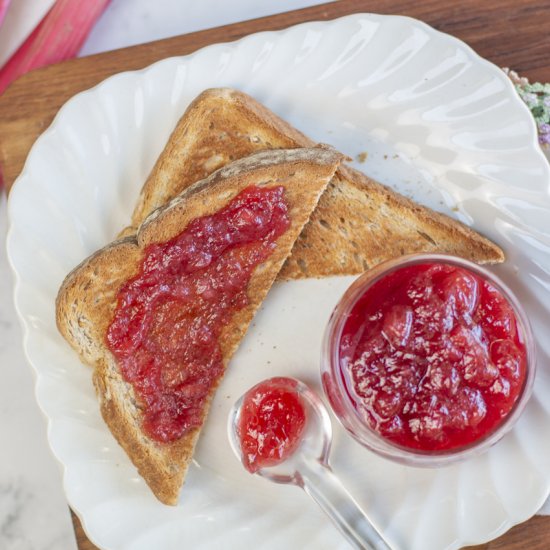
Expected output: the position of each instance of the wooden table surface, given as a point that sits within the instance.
(511, 33)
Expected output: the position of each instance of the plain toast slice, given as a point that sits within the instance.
(358, 222)
(87, 299)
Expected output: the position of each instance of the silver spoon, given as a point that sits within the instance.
(309, 469)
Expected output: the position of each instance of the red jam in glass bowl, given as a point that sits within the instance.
(271, 423)
(428, 356)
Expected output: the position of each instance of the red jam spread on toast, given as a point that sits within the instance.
(432, 357)
(169, 318)
(270, 423)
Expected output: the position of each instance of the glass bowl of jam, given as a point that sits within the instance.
(428, 359)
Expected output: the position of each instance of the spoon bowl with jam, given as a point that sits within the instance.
(280, 430)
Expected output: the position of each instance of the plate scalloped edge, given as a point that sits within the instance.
(17, 261)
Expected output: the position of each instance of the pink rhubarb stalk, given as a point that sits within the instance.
(57, 37)
(3, 9)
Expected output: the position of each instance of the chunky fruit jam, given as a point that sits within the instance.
(433, 357)
(167, 325)
(271, 423)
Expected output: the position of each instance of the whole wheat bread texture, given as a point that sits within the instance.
(86, 301)
(358, 222)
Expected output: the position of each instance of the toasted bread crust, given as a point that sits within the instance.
(87, 298)
(331, 244)
(195, 150)
(358, 222)
(93, 286)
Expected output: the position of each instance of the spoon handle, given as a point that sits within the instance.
(320, 483)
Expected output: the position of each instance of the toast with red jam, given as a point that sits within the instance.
(358, 222)
(159, 314)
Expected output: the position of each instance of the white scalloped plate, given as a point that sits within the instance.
(438, 123)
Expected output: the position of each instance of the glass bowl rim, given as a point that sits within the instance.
(353, 422)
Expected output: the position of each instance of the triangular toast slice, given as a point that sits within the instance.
(91, 295)
(358, 222)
